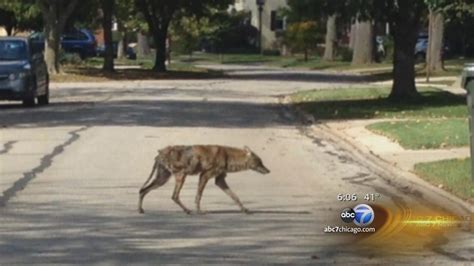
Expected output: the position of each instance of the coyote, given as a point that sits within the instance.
(209, 161)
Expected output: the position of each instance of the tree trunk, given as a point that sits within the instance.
(331, 39)
(9, 30)
(55, 15)
(143, 48)
(107, 10)
(405, 29)
(363, 45)
(51, 49)
(434, 55)
(160, 56)
(158, 18)
(122, 44)
(352, 36)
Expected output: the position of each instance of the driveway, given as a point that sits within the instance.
(70, 174)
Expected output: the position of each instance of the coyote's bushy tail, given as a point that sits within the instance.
(162, 174)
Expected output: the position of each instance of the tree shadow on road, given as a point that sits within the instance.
(156, 113)
(68, 233)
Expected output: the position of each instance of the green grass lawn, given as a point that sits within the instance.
(453, 175)
(425, 134)
(95, 74)
(366, 103)
(292, 61)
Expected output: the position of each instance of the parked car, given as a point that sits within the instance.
(421, 48)
(81, 42)
(100, 51)
(23, 72)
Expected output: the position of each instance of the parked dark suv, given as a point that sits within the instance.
(23, 72)
(81, 42)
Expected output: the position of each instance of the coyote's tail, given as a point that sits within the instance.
(153, 170)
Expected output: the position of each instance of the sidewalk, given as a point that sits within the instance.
(389, 151)
(389, 159)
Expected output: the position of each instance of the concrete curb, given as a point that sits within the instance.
(392, 174)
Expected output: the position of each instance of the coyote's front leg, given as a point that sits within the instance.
(220, 182)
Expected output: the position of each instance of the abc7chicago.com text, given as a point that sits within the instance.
(361, 215)
(348, 229)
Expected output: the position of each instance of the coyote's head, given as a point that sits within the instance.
(255, 163)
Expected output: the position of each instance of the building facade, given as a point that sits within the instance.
(272, 22)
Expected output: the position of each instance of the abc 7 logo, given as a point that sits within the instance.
(361, 215)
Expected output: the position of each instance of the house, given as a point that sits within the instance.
(272, 22)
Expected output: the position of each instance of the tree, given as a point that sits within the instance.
(16, 15)
(459, 22)
(331, 38)
(404, 17)
(107, 7)
(55, 15)
(363, 43)
(128, 20)
(434, 53)
(302, 37)
(159, 14)
(7, 20)
(404, 22)
(322, 11)
(187, 33)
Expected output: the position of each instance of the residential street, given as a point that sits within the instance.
(70, 174)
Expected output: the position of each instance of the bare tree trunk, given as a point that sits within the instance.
(158, 19)
(160, 56)
(108, 10)
(404, 30)
(52, 47)
(331, 39)
(143, 48)
(122, 44)
(352, 36)
(363, 46)
(434, 54)
(55, 15)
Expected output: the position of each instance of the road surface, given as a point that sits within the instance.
(70, 174)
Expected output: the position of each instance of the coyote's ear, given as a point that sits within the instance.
(247, 149)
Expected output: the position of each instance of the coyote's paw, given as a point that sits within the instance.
(141, 211)
(200, 212)
(245, 210)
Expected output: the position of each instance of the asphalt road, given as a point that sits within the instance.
(70, 174)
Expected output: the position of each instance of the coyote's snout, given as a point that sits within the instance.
(209, 161)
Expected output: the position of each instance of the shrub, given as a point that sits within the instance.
(303, 37)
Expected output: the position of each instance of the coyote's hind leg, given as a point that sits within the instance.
(180, 178)
(162, 176)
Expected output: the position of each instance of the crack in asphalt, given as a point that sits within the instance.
(7, 147)
(46, 162)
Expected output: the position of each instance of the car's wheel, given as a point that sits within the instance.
(44, 99)
(29, 101)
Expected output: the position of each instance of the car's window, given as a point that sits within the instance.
(13, 50)
(74, 36)
(37, 36)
